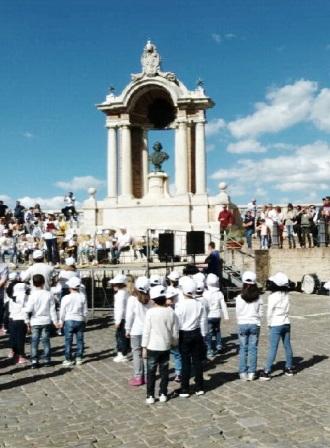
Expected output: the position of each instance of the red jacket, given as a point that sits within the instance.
(225, 218)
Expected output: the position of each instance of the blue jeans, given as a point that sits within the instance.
(72, 327)
(177, 360)
(248, 236)
(40, 332)
(213, 338)
(248, 350)
(289, 232)
(275, 334)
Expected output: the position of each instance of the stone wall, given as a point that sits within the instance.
(293, 262)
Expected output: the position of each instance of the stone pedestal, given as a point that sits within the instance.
(157, 185)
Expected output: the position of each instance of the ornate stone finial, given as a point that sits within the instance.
(158, 157)
(150, 60)
(111, 90)
(92, 192)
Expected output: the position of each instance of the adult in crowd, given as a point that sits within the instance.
(248, 224)
(226, 220)
(3, 209)
(289, 220)
(213, 260)
(39, 267)
(3, 280)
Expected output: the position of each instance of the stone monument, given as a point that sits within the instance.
(155, 100)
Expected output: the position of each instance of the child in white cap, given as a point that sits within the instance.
(160, 333)
(41, 305)
(192, 325)
(278, 323)
(19, 321)
(172, 297)
(119, 283)
(248, 315)
(73, 316)
(216, 308)
(137, 305)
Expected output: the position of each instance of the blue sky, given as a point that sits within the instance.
(266, 64)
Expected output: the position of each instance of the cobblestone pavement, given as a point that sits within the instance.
(92, 405)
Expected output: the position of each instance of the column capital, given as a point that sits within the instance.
(200, 121)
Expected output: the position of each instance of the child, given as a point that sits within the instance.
(264, 234)
(216, 306)
(18, 325)
(41, 305)
(172, 297)
(192, 325)
(248, 315)
(278, 323)
(73, 314)
(119, 283)
(160, 332)
(137, 305)
(200, 288)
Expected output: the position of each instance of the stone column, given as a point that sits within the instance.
(126, 161)
(145, 162)
(181, 159)
(200, 158)
(112, 162)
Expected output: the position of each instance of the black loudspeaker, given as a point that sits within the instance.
(166, 245)
(195, 242)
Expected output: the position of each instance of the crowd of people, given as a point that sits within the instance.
(299, 224)
(155, 318)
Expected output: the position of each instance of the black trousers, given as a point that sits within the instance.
(17, 336)
(192, 349)
(155, 359)
(121, 339)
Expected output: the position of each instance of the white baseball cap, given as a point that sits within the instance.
(279, 279)
(70, 261)
(249, 277)
(74, 282)
(174, 276)
(19, 288)
(142, 284)
(200, 286)
(118, 280)
(212, 280)
(199, 277)
(189, 287)
(157, 291)
(37, 254)
(171, 292)
(155, 279)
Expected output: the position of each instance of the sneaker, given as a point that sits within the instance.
(251, 376)
(120, 358)
(22, 360)
(264, 376)
(150, 400)
(163, 398)
(136, 381)
(11, 354)
(67, 363)
(177, 378)
(79, 361)
(288, 372)
(243, 376)
(34, 365)
(184, 395)
(199, 392)
(3, 331)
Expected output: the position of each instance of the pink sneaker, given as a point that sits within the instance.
(136, 381)
(22, 360)
(3, 331)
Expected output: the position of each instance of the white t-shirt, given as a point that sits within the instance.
(216, 303)
(41, 304)
(120, 304)
(192, 315)
(278, 309)
(39, 268)
(161, 329)
(73, 307)
(135, 316)
(248, 312)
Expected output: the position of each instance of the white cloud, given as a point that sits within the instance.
(284, 107)
(320, 113)
(304, 170)
(55, 203)
(216, 37)
(5, 198)
(327, 47)
(80, 183)
(230, 36)
(29, 135)
(283, 146)
(214, 126)
(245, 146)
